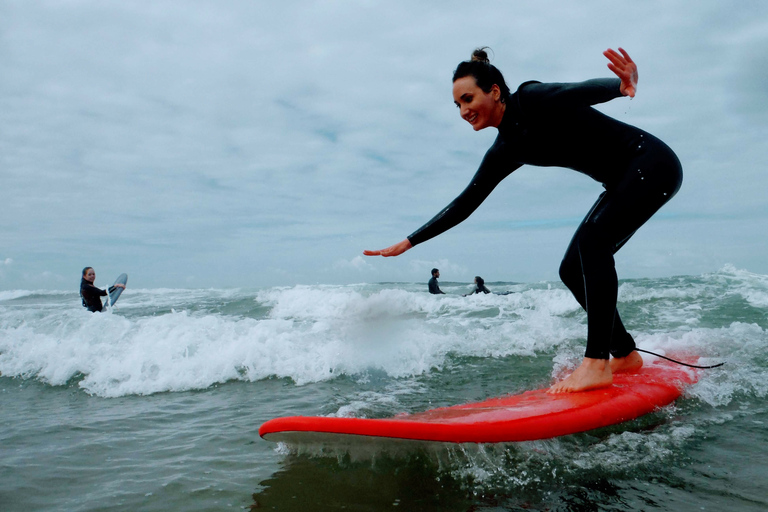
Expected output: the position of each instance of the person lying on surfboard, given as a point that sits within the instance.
(91, 295)
(553, 124)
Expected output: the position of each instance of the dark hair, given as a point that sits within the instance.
(85, 270)
(435, 271)
(485, 73)
(480, 281)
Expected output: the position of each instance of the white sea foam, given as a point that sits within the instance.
(752, 287)
(175, 340)
(310, 334)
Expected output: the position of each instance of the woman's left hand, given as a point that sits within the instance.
(625, 69)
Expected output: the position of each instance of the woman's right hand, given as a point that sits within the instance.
(392, 250)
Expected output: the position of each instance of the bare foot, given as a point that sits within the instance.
(630, 363)
(593, 373)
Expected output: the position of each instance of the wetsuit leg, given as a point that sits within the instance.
(603, 291)
(572, 275)
(588, 268)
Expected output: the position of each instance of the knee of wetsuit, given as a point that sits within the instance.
(595, 251)
(568, 270)
(592, 235)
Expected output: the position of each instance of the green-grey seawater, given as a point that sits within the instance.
(156, 405)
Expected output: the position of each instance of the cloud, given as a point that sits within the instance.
(176, 139)
(357, 263)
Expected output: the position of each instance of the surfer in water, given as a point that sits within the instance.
(91, 295)
(554, 124)
(434, 288)
(479, 287)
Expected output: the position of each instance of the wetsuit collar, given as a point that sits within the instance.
(511, 113)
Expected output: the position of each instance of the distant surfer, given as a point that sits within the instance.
(90, 294)
(432, 284)
(553, 124)
(479, 287)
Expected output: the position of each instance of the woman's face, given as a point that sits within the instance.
(90, 275)
(480, 109)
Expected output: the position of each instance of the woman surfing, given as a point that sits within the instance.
(554, 124)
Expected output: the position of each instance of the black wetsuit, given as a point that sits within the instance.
(478, 289)
(554, 125)
(433, 288)
(92, 296)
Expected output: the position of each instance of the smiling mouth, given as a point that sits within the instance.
(472, 119)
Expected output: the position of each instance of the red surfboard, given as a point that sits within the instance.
(525, 417)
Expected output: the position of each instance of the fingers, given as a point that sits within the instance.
(393, 250)
(383, 252)
(618, 62)
(626, 55)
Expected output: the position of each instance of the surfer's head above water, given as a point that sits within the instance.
(480, 91)
(89, 274)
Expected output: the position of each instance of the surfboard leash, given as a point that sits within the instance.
(679, 362)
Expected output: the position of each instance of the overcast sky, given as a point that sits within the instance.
(261, 143)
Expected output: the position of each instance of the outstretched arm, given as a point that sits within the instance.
(625, 68)
(493, 169)
(586, 93)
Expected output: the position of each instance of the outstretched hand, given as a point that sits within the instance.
(625, 69)
(392, 250)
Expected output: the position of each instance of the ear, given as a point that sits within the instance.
(495, 92)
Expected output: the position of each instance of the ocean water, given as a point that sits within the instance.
(156, 405)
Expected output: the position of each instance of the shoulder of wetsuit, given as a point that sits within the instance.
(526, 89)
(526, 84)
(529, 92)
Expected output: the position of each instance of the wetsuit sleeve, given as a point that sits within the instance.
(493, 169)
(581, 94)
(93, 291)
